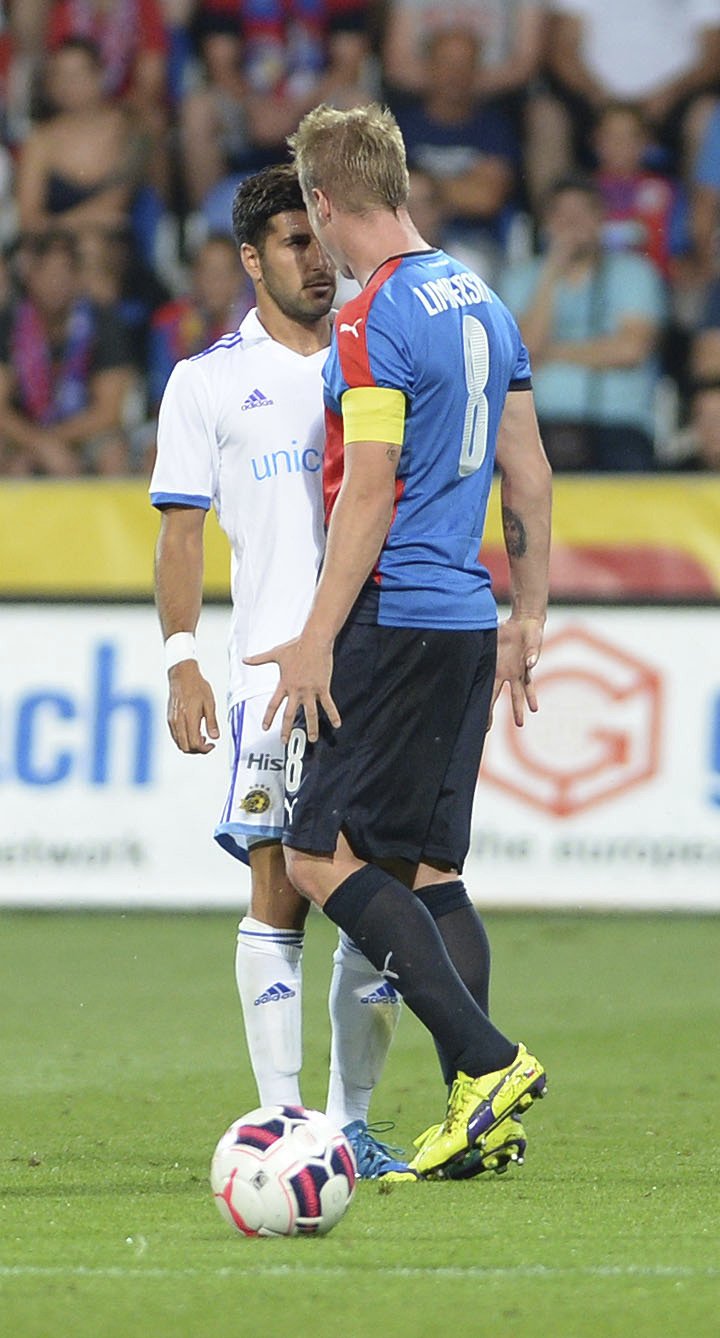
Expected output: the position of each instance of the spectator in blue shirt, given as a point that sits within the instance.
(591, 321)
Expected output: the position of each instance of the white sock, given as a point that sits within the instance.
(364, 1012)
(268, 971)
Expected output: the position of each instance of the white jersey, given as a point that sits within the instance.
(241, 429)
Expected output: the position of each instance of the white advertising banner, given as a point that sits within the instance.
(609, 797)
(97, 805)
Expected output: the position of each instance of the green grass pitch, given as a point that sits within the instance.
(122, 1062)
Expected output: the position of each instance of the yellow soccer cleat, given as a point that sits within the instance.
(503, 1146)
(476, 1107)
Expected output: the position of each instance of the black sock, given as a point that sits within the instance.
(399, 936)
(468, 947)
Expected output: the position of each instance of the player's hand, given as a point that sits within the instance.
(561, 253)
(519, 646)
(305, 665)
(54, 456)
(190, 704)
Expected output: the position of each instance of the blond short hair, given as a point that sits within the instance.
(357, 157)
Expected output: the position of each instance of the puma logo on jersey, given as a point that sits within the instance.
(351, 329)
(256, 400)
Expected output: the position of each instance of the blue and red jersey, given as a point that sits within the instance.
(427, 326)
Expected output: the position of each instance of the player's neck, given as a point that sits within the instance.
(295, 335)
(376, 237)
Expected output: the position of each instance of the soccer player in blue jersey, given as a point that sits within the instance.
(241, 429)
(390, 685)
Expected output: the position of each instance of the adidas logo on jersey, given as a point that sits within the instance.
(384, 994)
(256, 400)
(275, 994)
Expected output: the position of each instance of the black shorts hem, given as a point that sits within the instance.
(410, 854)
(374, 855)
(368, 852)
(309, 847)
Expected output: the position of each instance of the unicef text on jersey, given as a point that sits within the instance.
(273, 464)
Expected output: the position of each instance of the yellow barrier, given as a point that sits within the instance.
(613, 537)
(89, 538)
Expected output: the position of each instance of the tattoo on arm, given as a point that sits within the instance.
(515, 533)
(393, 454)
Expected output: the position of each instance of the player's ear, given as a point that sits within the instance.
(323, 207)
(250, 258)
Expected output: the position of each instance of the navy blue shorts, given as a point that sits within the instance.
(399, 776)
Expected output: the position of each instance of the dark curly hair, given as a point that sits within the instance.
(274, 190)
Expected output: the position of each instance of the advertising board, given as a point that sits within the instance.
(609, 797)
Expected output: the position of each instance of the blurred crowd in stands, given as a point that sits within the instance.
(569, 150)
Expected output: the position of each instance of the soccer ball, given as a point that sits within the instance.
(283, 1171)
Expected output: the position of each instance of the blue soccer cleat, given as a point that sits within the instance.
(376, 1160)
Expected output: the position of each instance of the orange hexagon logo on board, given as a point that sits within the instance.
(595, 736)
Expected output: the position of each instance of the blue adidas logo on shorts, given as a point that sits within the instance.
(275, 994)
(384, 994)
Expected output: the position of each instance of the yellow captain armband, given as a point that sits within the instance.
(373, 413)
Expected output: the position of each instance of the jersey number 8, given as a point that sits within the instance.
(296, 746)
(476, 351)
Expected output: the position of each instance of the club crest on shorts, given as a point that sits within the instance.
(257, 800)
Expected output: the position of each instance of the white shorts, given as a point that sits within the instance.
(254, 808)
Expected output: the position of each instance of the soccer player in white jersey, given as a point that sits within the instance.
(241, 429)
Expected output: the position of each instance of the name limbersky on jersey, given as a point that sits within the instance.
(452, 291)
(437, 391)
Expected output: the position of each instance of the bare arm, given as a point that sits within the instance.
(705, 355)
(704, 216)
(700, 77)
(358, 527)
(107, 391)
(149, 80)
(565, 59)
(271, 117)
(526, 495)
(402, 59)
(202, 156)
(524, 59)
(27, 24)
(31, 179)
(537, 321)
(179, 567)
(44, 448)
(628, 346)
(478, 193)
(14, 426)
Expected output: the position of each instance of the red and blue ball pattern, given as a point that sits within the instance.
(283, 1170)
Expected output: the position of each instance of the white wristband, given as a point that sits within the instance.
(178, 647)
